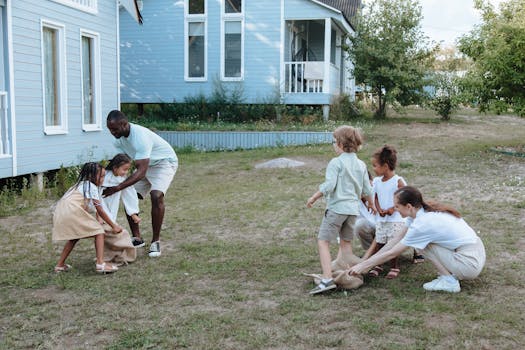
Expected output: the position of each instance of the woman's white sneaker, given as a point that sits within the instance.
(443, 284)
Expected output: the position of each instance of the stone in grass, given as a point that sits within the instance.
(280, 163)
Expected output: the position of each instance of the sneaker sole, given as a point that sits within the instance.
(333, 286)
(154, 254)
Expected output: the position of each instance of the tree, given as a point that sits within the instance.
(390, 54)
(449, 66)
(496, 79)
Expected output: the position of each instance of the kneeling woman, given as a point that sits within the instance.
(439, 233)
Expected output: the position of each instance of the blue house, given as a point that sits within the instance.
(59, 77)
(288, 48)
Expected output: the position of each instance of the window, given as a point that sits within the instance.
(90, 68)
(232, 6)
(232, 44)
(232, 49)
(196, 7)
(195, 47)
(53, 78)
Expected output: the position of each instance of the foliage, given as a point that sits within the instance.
(390, 54)
(17, 194)
(343, 108)
(497, 49)
(449, 59)
(446, 98)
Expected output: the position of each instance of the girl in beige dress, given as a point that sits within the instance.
(73, 218)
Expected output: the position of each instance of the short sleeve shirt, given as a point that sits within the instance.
(143, 143)
(90, 191)
(439, 228)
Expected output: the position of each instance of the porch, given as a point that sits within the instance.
(314, 61)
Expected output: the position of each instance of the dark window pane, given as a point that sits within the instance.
(195, 7)
(233, 6)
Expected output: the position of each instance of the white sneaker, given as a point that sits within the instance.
(443, 284)
(430, 285)
(154, 249)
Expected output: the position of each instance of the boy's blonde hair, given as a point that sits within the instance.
(349, 138)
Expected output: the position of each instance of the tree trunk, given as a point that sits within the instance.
(381, 108)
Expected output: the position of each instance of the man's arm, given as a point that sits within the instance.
(141, 166)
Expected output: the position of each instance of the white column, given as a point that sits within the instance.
(327, 43)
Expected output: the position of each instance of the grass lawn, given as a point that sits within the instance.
(236, 240)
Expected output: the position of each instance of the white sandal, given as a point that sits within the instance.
(65, 268)
(106, 268)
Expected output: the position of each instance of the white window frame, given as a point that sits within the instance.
(90, 6)
(195, 18)
(95, 78)
(62, 78)
(231, 17)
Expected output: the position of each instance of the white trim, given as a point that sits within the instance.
(62, 89)
(117, 25)
(96, 79)
(195, 18)
(327, 6)
(91, 7)
(281, 48)
(11, 91)
(327, 52)
(231, 17)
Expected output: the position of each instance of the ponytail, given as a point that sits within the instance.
(411, 195)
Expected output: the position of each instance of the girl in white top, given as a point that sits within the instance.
(116, 172)
(439, 232)
(389, 222)
(73, 217)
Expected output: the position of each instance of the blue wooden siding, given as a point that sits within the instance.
(215, 141)
(152, 56)
(37, 152)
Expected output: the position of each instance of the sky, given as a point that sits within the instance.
(446, 20)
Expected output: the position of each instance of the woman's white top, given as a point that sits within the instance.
(440, 228)
(385, 194)
(128, 196)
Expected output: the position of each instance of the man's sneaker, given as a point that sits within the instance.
(323, 287)
(154, 250)
(138, 242)
(443, 284)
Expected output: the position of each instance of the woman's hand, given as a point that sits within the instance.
(116, 228)
(358, 269)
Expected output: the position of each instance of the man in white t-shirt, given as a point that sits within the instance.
(156, 164)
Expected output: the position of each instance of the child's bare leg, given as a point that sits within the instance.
(136, 219)
(68, 247)
(99, 248)
(134, 226)
(394, 269)
(326, 259)
(345, 250)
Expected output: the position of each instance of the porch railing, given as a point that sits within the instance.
(304, 77)
(5, 142)
(84, 5)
